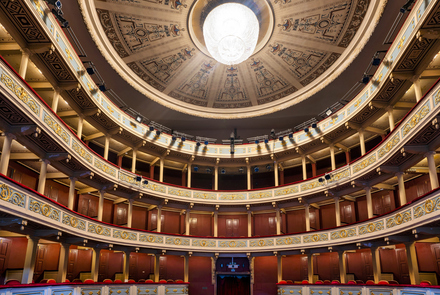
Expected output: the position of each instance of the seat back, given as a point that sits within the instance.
(13, 282)
(118, 281)
(51, 281)
(370, 282)
(107, 281)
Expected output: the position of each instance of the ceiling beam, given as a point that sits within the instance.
(67, 114)
(94, 136)
(126, 150)
(24, 156)
(56, 175)
(87, 190)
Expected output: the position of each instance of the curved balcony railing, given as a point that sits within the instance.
(25, 204)
(33, 107)
(397, 52)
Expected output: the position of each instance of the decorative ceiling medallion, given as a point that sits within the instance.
(158, 47)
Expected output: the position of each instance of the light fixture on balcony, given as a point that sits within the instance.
(231, 33)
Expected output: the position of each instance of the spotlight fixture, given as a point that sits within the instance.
(208, 170)
(102, 87)
(198, 143)
(306, 130)
(314, 125)
(139, 119)
(90, 70)
(321, 179)
(272, 133)
(196, 168)
(183, 138)
(365, 79)
(266, 141)
(328, 112)
(145, 182)
(290, 135)
(258, 139)
(281, 138)
(206, 140)
(375, 61)
(257, 142)
(268, 167)
(240, 170)
(173, 138)
(158, 132)
(138, 178)
(223, 171)
(256, 169)
(327, 177)
(151, 128)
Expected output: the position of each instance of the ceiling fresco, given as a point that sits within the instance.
(157, 46)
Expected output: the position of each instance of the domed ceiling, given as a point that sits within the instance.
(157, 46)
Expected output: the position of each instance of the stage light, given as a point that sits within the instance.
(196, 168)
(102, 87)
(174, 138)
(183, 138)
(145, 182)
(306, 130)
(314, 125)
(139, 119)
(151, 128)
(281, 138)
(90, 70)
(327, 176)
(198, 143)
(256, 169)
(321, 179)
(328, 112)
(206, 142)
(268, 167)
(365, 79)
(291, 135)
(138, 178)
(266, 141)
(223, 171)
(157, 132)
(257, 142)
(376, 61)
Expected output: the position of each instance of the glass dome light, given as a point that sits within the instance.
(231, 33)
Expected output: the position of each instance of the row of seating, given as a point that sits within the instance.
(351, 282)
(106, 281)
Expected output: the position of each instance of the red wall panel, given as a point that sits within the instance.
(200, 276)
(171, 223)
(107, 212)
(171, 267)
(264, 224)
(201, 225)
(327, 266)
(328, 216)
(265, 277)
(233, 225)
(295, 268)
(139, 220)
(296, 221)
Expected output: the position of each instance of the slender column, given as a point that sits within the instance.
(216, 177)
(337, 211)
(332, 156)
(362, 141)
(249, 184)
(29, 260)
(275, 171)
(313, 169)
(304, 167)
(55, 100)
(189, 175)
(413, 267)
(101, 205)
(376, 264)
(42, 178)
(106, 146)
(126, 267)
(391, 118)
(278, 217)
(161, 169)
(63, 262)
(369, 202)
(347, 157)
(215, 223)
(23, 64)
(96, 254)
(342, 267)
(432, 169)
(418, 90)
(130, 212)
(310, 267)
(79, 130)
(6, 153)
(71, 193)
(401, 184)
(279, 267)
(156, 267)
(187, 221)
(249, 223)
(159, 219)
(133, 161)
(307, 215)
(186, 268)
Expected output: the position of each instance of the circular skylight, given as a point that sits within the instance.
(231, 33)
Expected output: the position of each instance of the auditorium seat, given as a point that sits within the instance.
(141, 281)
(383, 282)
(149, 281)
(118, 282)
(425, 283)
(179, 281)
(131, 281)
(12, 282)
(162, 281)
(370, 282)
(51, 281)
(289, 281)
(170, 281)
(393, 282)
(67, 281)
(43, 281)
(351, 282)
(319, 282)
(305, 282)
(327, 282)
(359, 282)
(282, 282)
(89, 281)
(107, 281)
(336, 282)
(77, 281)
